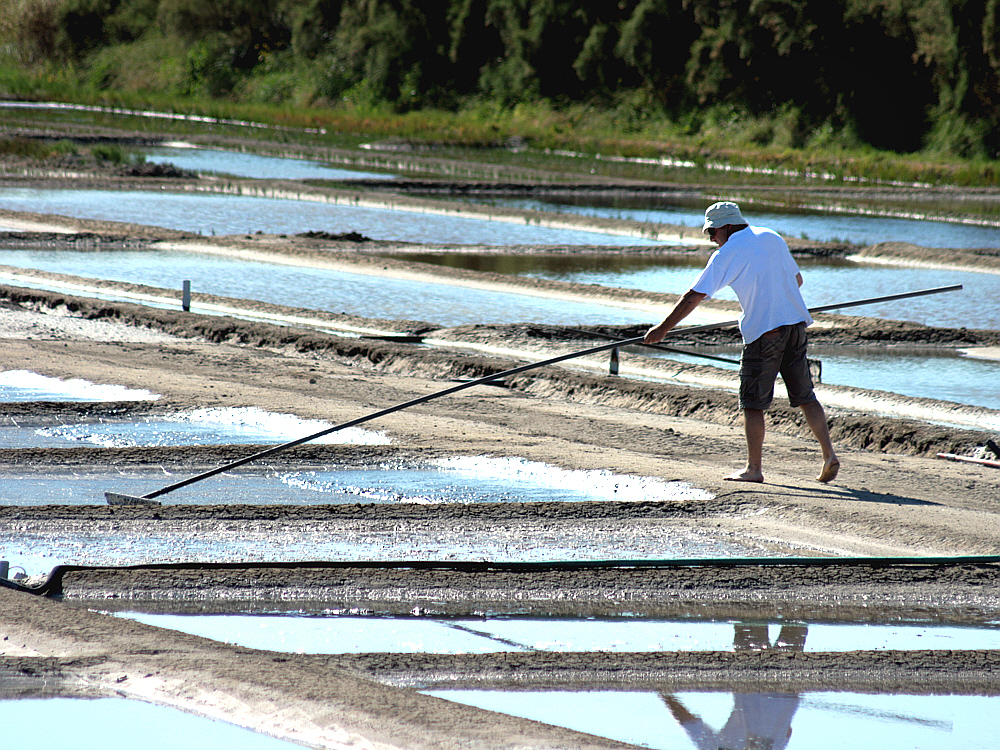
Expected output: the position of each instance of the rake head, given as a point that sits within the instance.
(114, 498)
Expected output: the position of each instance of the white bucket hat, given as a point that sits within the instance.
(722, 213)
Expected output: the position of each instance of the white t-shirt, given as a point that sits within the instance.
(758, 266)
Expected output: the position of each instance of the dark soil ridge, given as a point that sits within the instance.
(42, 677)
(98, 232)
(898, 672)
(834, 590)
(625, 579)
(81, 516)
(76, 240)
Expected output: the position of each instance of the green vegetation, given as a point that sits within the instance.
(887, 89)
(115, 154)
(28, 148)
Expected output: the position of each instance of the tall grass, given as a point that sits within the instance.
(30, 148)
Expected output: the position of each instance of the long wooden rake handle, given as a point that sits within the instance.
(114, 498)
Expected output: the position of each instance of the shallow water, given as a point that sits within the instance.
(821, 226)
(216, 426)
(452, 480)
(810, 721)
(116, 724)
(24, 386)
(217, 161)
(447, 480)
(37, 552)
(315, 288)
(210, 214)
(826, 282)
(339, 633)
(977, 305)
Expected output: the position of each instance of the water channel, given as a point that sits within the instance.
(817, 225)
(676, 720)
(977, 305)
(233, 163)
(216, 213)
(824, 226)
(343, 633)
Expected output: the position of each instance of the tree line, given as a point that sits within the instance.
(902, 75)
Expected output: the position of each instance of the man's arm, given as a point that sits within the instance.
(684, 307)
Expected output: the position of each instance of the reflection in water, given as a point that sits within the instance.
(759, 721)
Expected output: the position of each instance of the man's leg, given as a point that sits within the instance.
(816, 419)
(798, 383)
(753, 427)
(758, 369)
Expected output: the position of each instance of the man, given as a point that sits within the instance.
(757, 264)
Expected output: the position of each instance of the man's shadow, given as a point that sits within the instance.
(843, 493)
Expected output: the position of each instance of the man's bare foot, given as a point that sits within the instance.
(746, 476)
(830, 469)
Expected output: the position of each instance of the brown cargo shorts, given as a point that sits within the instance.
(781, 351)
